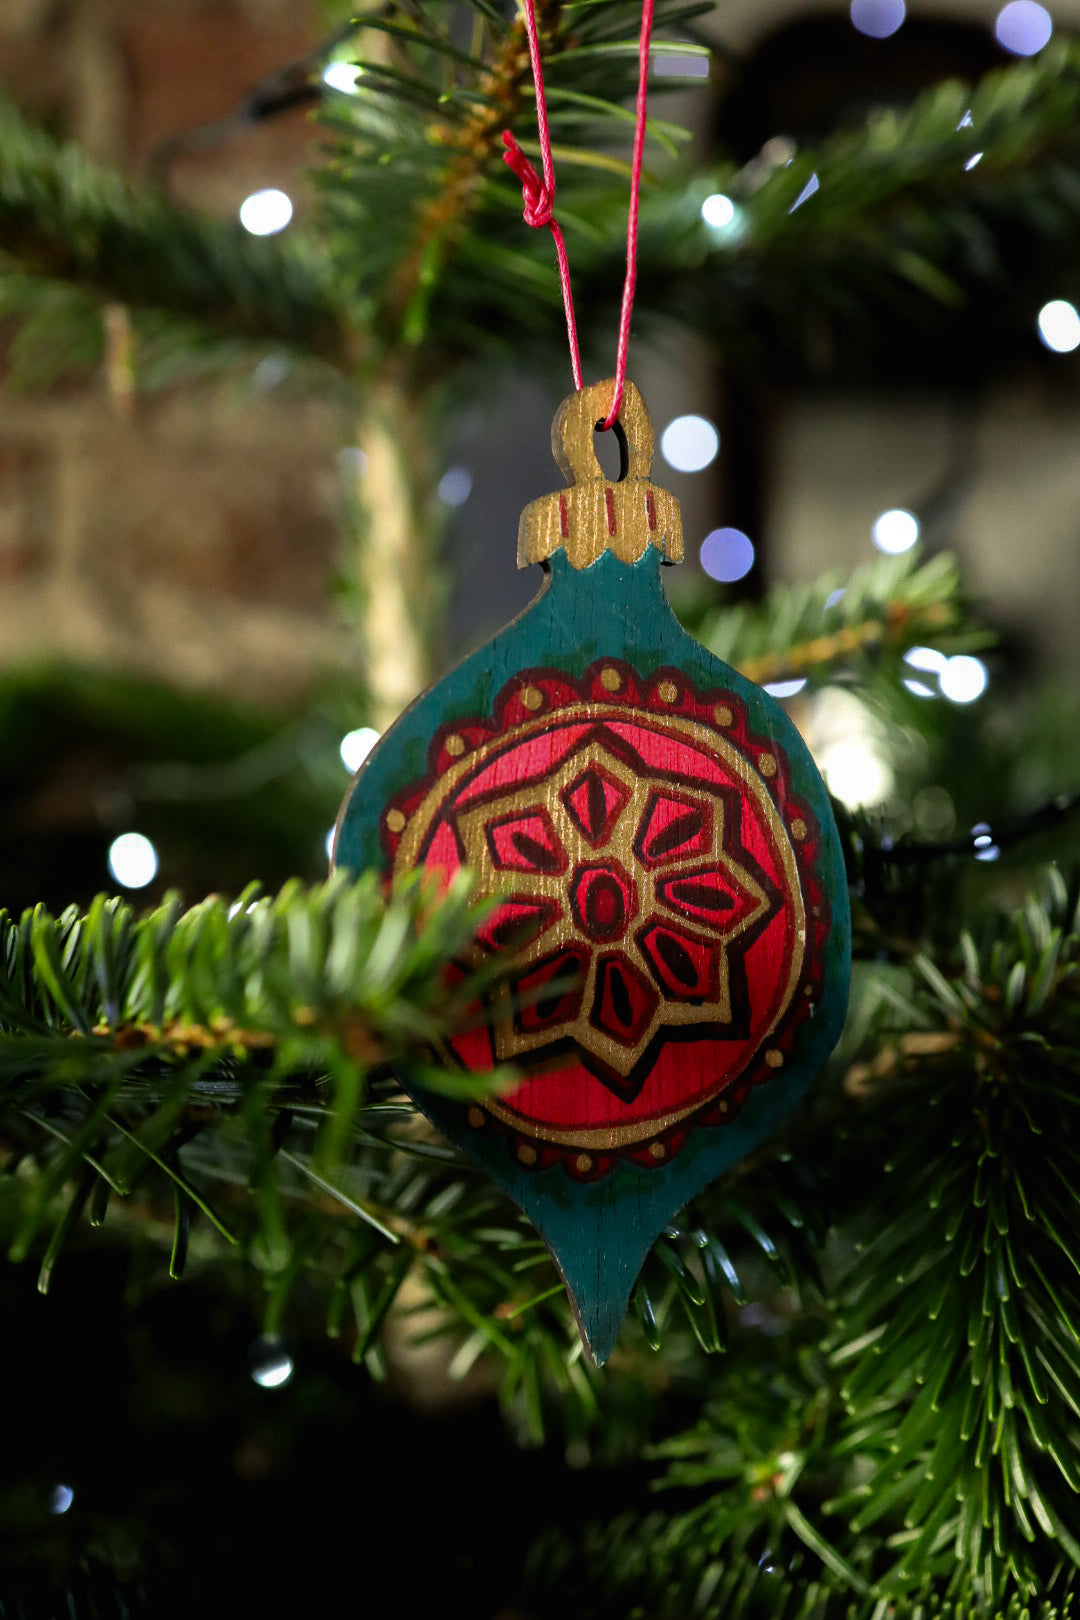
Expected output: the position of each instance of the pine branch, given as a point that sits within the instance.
(643, 1568)
(64, 218)
(418, 253)
(416, 172)
(844, 625)
(125, 1040)
(474, 148)
(962, 1319)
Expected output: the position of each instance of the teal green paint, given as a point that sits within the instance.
(600, 1232)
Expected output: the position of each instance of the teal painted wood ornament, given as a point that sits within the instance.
(673, 902)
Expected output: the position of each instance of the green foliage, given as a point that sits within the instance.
(66, 220)
(418, 248)
(227, 792)
(140, 1047)
(852, 1367)
(906, 1442)
(960, 1321)
(416, 170)
(845, 626)
(899, 225)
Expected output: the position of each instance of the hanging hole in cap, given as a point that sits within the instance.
(612, 452)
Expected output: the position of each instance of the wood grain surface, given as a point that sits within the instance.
(673, 911)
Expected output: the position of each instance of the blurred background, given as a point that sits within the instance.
(180, 705)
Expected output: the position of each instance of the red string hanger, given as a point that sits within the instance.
(539, 198)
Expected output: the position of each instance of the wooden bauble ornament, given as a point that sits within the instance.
(666, 860)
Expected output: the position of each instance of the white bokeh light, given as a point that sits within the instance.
(133, 860)
(343, 76)
(1023, 27)
(985, 848)
(266, 212)
(877, 18)
(718, 211)
(850, 746)
(455, 486)
(784, 689)
(689, 443)
(929, 658)
(895, 531)
(61, 1498)
(856, 772)
(973, 161)
(357, 745)
(1059, 326)
(963, 678)
(727, 555)
(330, 837)
(271, 1364)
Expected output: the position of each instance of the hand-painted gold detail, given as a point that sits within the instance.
(723, 715)
(798, 828)
(476, 1117)
(667, 692)
(610, 679)
(532, 697)
(657, 1150)
(515, 1042)
(774, 1058)
(583, 1164)
(455, 745)
(594, 514)
(395, 820)
(767, 764)
(526, 1154)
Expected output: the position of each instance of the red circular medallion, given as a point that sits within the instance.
(657, 891)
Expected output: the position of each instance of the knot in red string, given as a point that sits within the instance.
(539, 196)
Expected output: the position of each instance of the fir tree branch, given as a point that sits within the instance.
(898, 224)
(968, 1405)
(125, 1040)
(475, 148)
(333, 973)
(67, 219)
(844, 625)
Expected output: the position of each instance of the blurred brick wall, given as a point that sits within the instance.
(195, 540)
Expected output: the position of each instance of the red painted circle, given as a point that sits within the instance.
(656, 875)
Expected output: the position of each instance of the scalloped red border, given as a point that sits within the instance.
(639, 692)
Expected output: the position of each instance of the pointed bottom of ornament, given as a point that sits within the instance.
(599, 1237)
(600, 1233)
(600, 1283)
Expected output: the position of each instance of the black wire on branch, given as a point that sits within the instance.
(985, 840)
(296, 84)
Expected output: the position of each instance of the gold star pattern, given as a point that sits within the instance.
(631, 905)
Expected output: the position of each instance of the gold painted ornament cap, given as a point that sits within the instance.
(594, 514)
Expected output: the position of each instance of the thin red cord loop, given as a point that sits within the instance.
(632, 217)
(539, 198)
(539, 211)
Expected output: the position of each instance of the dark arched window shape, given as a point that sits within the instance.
(820, 74)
